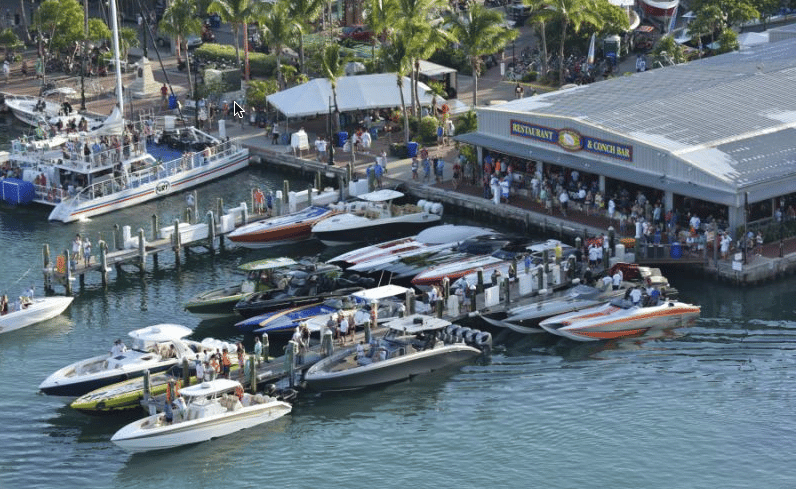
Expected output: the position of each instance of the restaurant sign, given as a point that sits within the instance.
(571, 140)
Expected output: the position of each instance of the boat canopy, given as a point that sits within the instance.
(161, 332)
(211, 388)
(382, 195)
(382, 292)
(267, 264)
(113, 125)
(417, 323)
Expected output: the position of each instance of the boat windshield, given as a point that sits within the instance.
(622, 302)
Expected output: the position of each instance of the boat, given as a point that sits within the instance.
(261, 275)
(151, 350)
(211, 409)
(659, 10)
(620, 318)
(357, 305)
(413, 345)
(374, 217)
(41, 111)
(300, 287)
(32, 311)
(446, 235)
(279, 230)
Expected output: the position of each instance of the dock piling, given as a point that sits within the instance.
(290, 361)
(211, 231)
(327, 343)
(154, 227)
(176, 240)
(480, 283)
(186, 372)
(47, 272)
(103, 246)
(507, 289)
(410, 301)
(252, 374)
(117, 239)
(286, 192)
(68, 276)
(309, 195)
(266, 348)
(141, 250)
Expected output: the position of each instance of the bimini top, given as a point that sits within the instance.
(382, 195)
(382, 292)
(211, 388)
(161, 332)
(417, 323)
(267, 264)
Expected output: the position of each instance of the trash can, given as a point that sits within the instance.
(172, 101)
(659, 251)
(411, 149)
(677, 250)
(374, 133)
(342, 137)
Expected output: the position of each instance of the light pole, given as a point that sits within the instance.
(83, 58)
(195, 69)
(331, 136)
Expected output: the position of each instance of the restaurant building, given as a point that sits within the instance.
(714, 137)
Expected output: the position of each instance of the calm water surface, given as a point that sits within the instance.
(707, 406)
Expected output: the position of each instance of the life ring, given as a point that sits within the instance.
(239, 391)
(445, 108)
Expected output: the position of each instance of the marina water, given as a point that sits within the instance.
(707, 406)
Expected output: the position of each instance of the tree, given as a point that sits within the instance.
(333, 67)
(98, 30)
(258, 90)
(277, 30)
(128, 37)
(728, 41)
(573, 14)
(62, 21)
(395, 57)
(179, 20)
(542, 14)
(237, 13)
(380, 16)
(707, 21)
(667, 49)
(480, 31)
(733, 12)
(304, 13)
(9, 40)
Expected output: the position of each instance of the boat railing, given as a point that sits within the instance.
(102, 159)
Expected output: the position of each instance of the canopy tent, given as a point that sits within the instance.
(752, 38)
(361, 92)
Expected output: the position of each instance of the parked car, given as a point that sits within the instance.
(357, 33)
(191, 42)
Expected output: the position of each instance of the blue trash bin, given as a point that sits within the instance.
(342, 137)
(677, 250)
(411, 149)
(172, 101)
(374, 133)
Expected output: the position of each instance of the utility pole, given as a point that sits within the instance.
(83, 58)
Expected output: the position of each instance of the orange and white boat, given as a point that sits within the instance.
(280, 229)
(620, 318)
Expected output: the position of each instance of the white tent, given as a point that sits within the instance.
(361, 92)
(752, 38)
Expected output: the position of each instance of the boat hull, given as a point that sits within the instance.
(41, 310)
(280, 230)
(217, 303)
(77, 388)
(374, 230)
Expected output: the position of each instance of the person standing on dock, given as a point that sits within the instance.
(258, 349)
(6, 70)
(87, 251)
(77, 249)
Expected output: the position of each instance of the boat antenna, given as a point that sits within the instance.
(116, 57)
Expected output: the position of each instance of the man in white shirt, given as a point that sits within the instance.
(617, 279)
(635, 296)
(344, 330)
(564, 200)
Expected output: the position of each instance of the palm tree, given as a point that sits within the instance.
(237, 13)
(333, 67)
(180, 20)
(380, 16)
(541, 15)
(277, 30)
(574, 14)
(395, 58)
(480, 31)
(304, 12)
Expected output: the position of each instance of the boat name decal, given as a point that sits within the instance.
(571, 140)
(162, 187)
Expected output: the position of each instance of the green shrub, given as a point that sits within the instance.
(529, 77)
(262, 65)
(427, 129)
(399, 150)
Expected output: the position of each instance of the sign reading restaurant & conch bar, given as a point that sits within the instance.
(572, 140)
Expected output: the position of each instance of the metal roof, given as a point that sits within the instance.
(731, 116)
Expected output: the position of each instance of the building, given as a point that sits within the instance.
(713, 137)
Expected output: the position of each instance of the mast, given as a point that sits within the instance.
(116, 56)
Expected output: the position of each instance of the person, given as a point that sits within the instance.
(6, 70)
(563, 200)
(440, 135)
(457, 174)
(115, 350)
(87, 251)
(378, 170)
(77, 248)
(439, 169)
(215, 368)
(4, 305)
(616, 280)
(226, 363)
(450, 130)
(200, 370)
(640, 64)
(759, 244)
(426, 169)
(588, 275)
(519, 91)
(635, 295)
(241, 360)
(29, 292)
(414, 167)
(258, 349)
(24, 68)
(275, 133)
(331, 325)
(725, 245)
(259, 201)
(366, 139)
(343, 329)
(164, 92)
(654, 296)
(607, 281)
(39, 67)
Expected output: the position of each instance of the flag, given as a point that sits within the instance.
(590, 58)
(673, 20)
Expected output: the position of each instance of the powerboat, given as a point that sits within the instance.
(32, 311)
(300, 287)
(207, 410)
(619, 318)
(278, 230)
(154, 348)
(413, 345)
(31, 110)
(374, 217)
(426, 241)
(356, 305)
(261, 275)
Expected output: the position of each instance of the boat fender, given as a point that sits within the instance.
(470, 336)
(450, 329)
(422, 203)
(427, 207)
(483, 339)
(543, 291)
(463, 332)
(575, 281)
(436, 208)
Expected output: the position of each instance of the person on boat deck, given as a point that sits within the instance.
(29, 292)
(635, 295)
(226, 363)
(200, 370)
(118, 348)
(617, 279)
(4, 305)
(214, 366)
(171, 353)
(241, 359)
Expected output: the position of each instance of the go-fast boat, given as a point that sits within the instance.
(33, 311)
(619, 318)
(209, 410)
(278, 230)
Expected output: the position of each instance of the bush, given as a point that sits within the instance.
(399, 150)
(529, 77)
(427, 129)
(262, 65)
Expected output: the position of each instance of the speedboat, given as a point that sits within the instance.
(278, 230)
(375, 217)
(208, 410)
(356, 305)
(413, 345)
(619, 318)
(155, 348)
(32, 110)
(32, 311)
(261, 275)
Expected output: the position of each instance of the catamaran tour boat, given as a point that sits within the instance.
(279, 230)
(620, 318)
(32, 311)
(205, 411)
(261, 275)
(413, 345)
(155, 348)
(375, 217)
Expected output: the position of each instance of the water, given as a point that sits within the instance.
(706, 406)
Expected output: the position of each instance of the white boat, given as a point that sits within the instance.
(210, 410)
(659, 10)
(413, 345)
(151, 350)
(278, 230)
(619, 318)
(34, 311)
(373, 218)
(32, 110)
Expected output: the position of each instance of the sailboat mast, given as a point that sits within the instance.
(116, 57)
